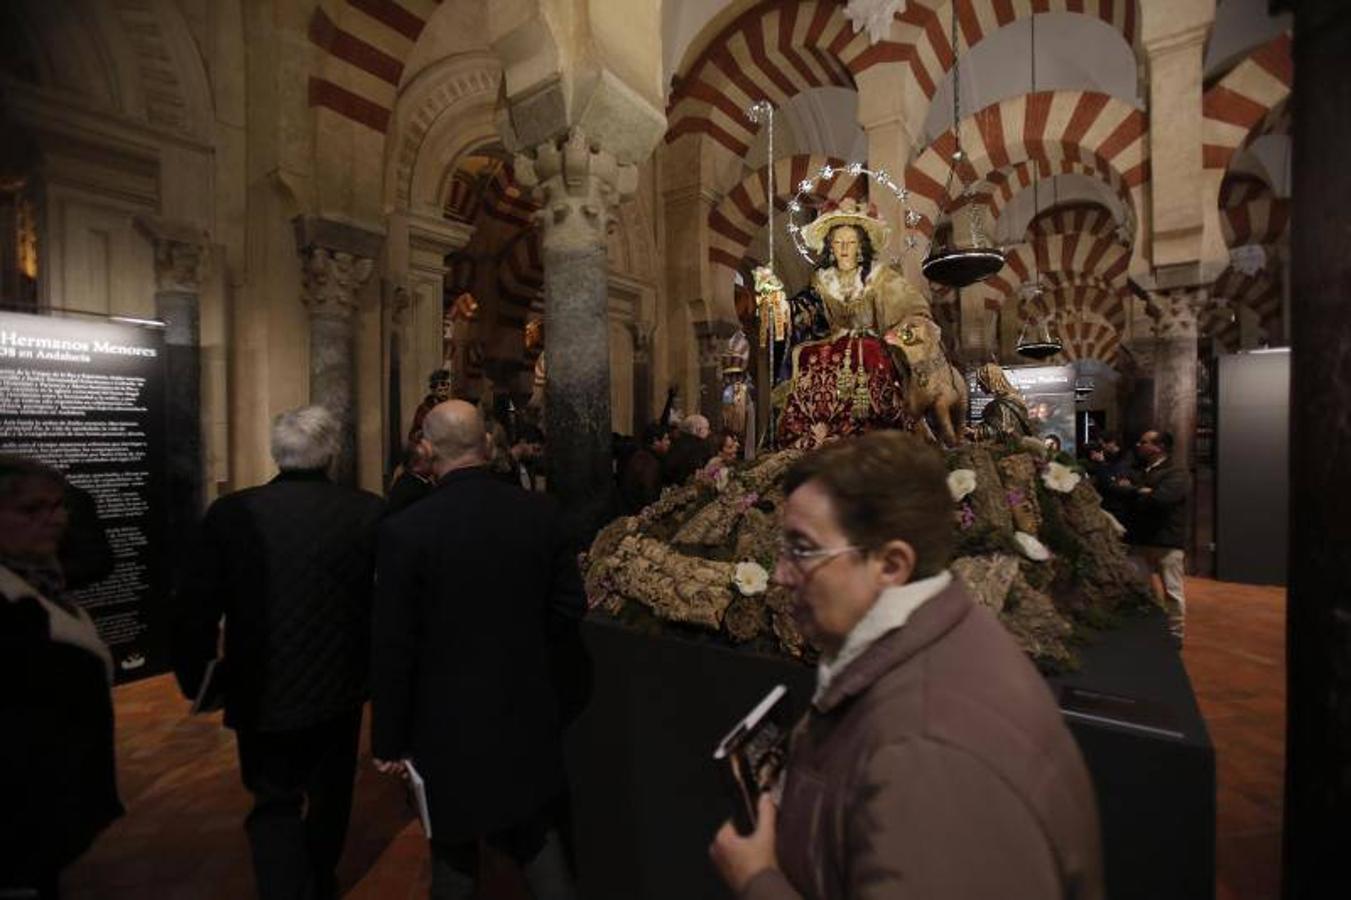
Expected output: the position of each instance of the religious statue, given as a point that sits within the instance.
(738, 393)
(841, 374)
(438, 391)
(1005, 417)
(539, 379)
(464, 308)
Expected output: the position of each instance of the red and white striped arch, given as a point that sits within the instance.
(1073, 218)
(1260, 292)
(1048, 128)
(506, 201)
(1077, 310)
(363, 45)
(520, 272)
(735, 221)
(997, 189)
(924, 28)
(464, 197)
(1070, 258)
(1250, 97)
(1242, 187)
(773, 51)
(1260, 221)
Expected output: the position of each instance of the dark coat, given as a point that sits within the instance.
(1158, 518)
(936, 765)
(474, 586)
(688, 454)
(57, 775)
(406, 490)
(640, 482)
(290, 564)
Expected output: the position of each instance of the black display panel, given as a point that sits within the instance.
(87, 397)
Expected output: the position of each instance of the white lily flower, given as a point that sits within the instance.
(1060, 477)
(1032, 548)
(961, 482)
(750, 578)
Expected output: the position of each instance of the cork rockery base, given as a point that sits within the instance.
(1034, 546)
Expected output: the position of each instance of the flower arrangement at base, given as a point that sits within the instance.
(697, 562)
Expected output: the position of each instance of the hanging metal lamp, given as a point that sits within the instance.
(949, 262)
(1040, 343)
(960, 266)
(1037, 342)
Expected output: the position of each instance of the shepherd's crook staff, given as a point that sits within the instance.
(763, 111)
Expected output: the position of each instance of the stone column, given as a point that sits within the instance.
(1174, 34)
(580, 185)
(1318, 643)
(688, 280)
(337, 260)
(642, 373)
(181, 255)
(1176, 315)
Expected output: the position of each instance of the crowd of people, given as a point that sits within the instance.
(453, 604)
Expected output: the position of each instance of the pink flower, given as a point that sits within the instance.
(966, 516)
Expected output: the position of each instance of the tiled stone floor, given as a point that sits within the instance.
(182, 835)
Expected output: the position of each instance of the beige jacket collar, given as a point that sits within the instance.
(64, 627)
(891, 611)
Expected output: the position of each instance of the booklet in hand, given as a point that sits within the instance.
(418, 789)
(752, 755)
(211, 695)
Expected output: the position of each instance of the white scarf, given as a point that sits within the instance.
(65, 627)
(892, 610)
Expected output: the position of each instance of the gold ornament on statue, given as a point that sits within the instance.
(771, 305)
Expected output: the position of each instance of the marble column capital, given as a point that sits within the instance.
(1177, 312)
(400, 302)
(579, 185)
(331, 281)
(643, 333)
(182, 253)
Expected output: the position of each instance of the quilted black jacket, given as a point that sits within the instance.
(290, 564)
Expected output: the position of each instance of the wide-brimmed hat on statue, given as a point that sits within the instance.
(847, 212)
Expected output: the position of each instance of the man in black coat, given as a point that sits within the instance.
(1154, 499)
(475, 584)
(415, 481)
(290, 565)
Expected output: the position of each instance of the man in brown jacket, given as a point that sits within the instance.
(933, 762)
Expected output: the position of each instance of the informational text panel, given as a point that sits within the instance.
(87, 397)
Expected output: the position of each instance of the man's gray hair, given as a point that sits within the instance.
(695, 424)
(305, 438)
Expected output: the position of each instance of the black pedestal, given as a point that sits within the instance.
(647, 800)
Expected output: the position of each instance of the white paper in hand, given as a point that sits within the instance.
(419, 790)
